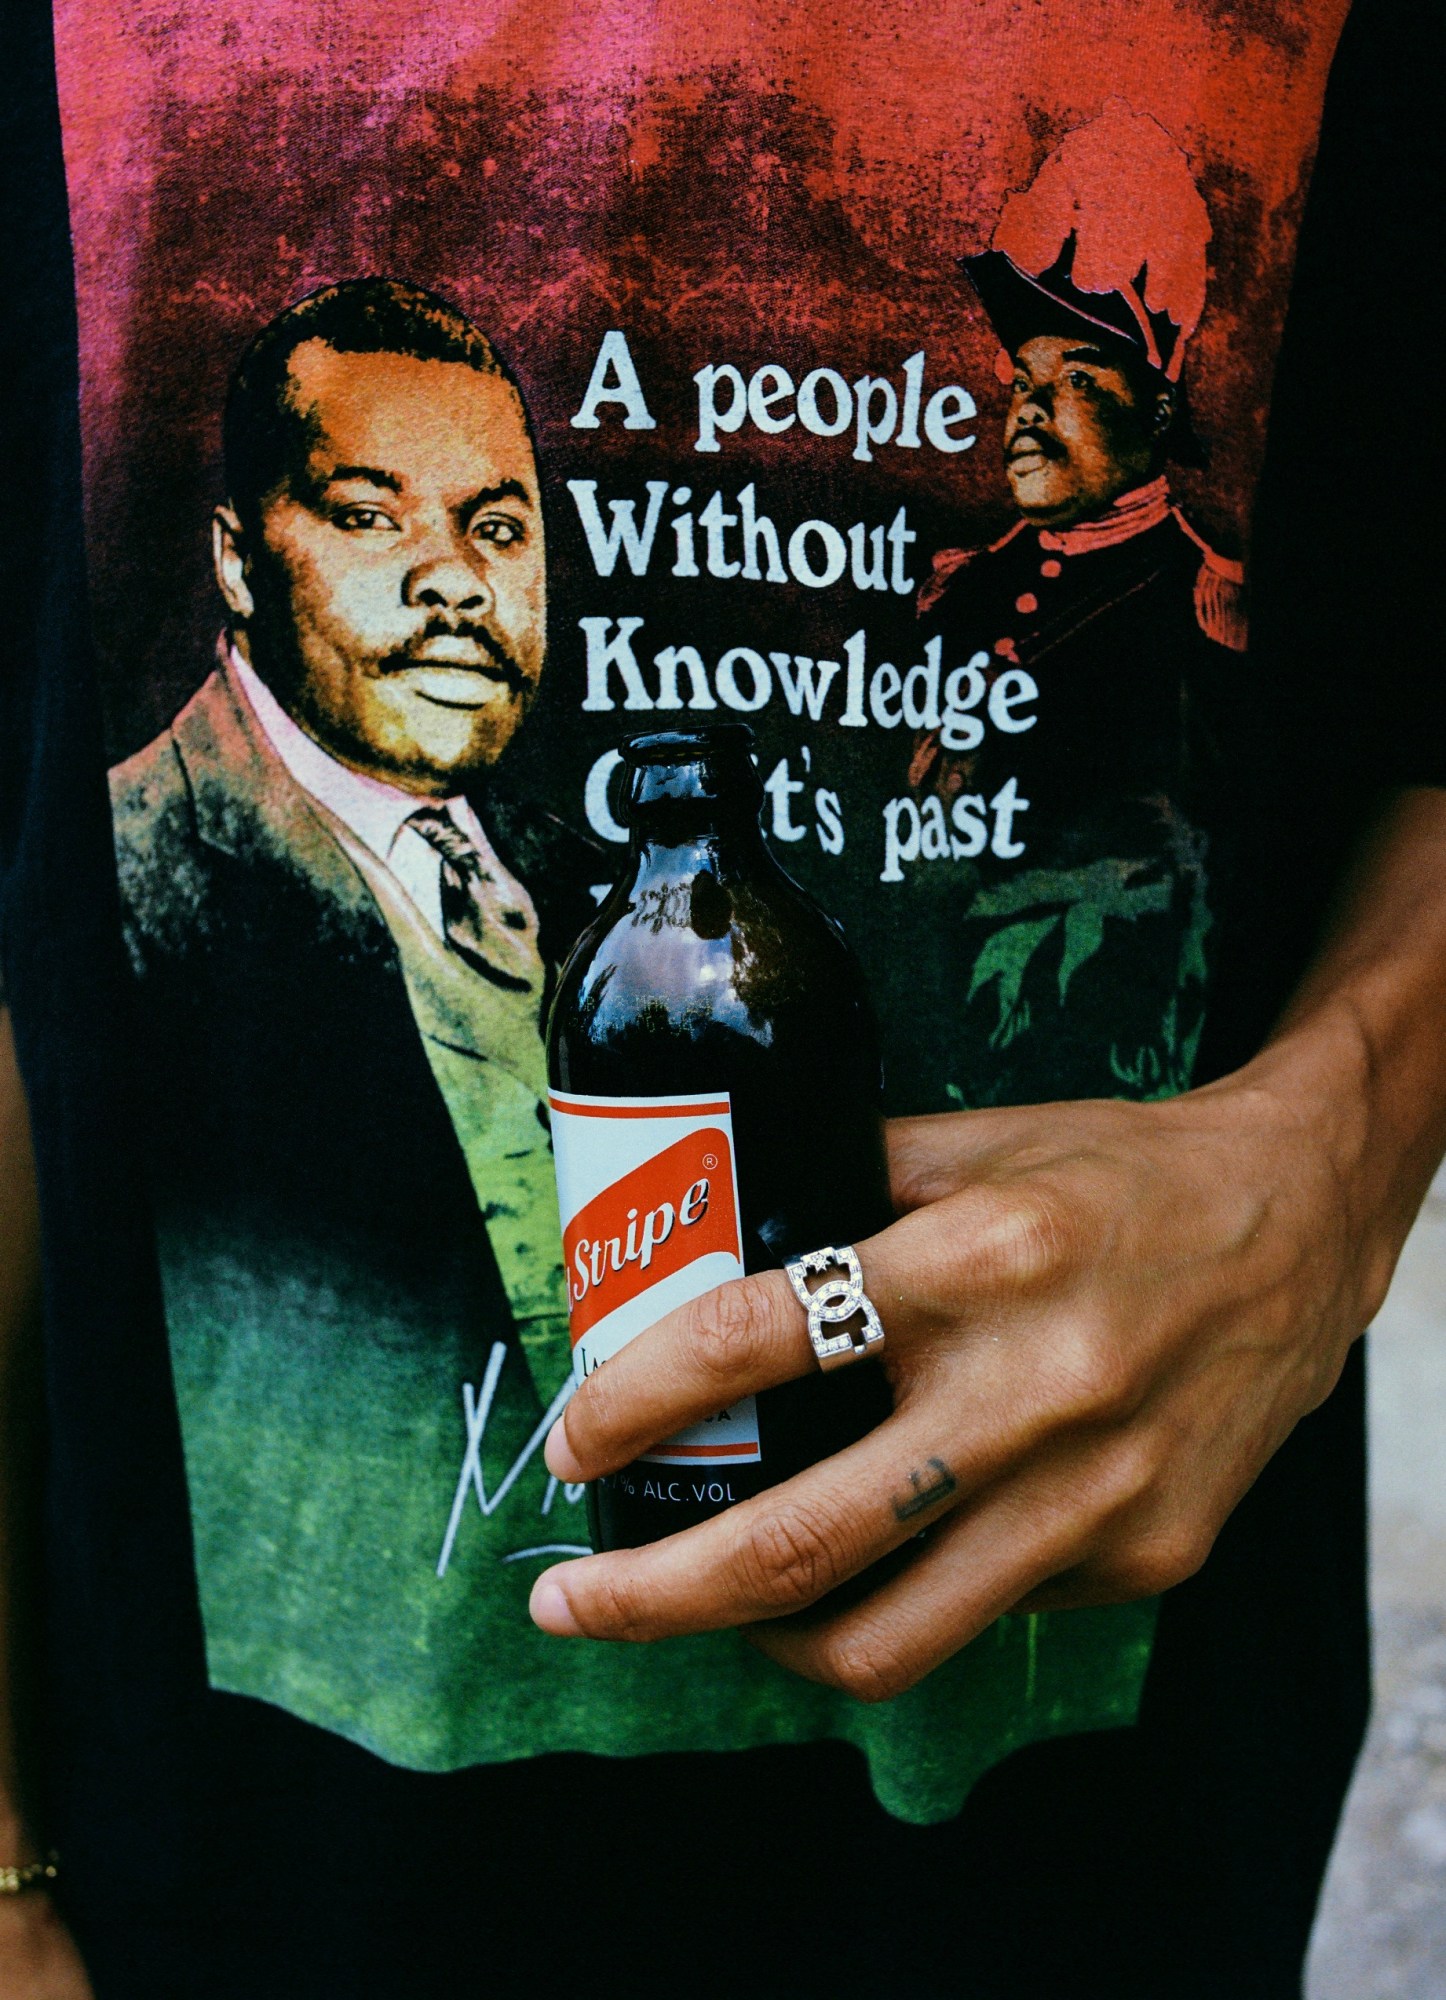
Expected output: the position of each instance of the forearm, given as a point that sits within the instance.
(19, 1285)
(1360, 1053)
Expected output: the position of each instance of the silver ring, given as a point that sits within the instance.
(835, 1301)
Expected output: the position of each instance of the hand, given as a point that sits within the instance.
(1102, 1319)
(38, 1960)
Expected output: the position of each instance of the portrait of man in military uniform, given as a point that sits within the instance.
(1121, 627)
(328, 885)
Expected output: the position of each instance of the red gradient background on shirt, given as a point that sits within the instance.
(746, 183)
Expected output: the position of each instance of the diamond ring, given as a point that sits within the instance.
(832, 1304)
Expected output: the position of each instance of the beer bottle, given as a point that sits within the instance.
(715, 1099)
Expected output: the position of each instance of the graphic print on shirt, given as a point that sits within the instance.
(902, 391)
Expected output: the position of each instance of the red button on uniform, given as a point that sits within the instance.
(1005, 649)
(1050, 567)
(1026, 604)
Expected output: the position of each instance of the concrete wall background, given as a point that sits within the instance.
(1381, 1932)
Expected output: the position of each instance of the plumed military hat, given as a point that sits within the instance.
(1107, 242)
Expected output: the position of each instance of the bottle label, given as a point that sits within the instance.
(649, 1199)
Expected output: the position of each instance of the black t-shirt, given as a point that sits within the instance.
(1082, 838)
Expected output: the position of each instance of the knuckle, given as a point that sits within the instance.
(866, 1666)
(725, 1330)
(1098, 1377)
(1191, 1551)
(1131, 1473)
(1026, 1240)
(1168, 1558)
(613, 1609)
(788, 1560)
(595, 1417)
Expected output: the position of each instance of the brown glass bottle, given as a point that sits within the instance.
(710, 983)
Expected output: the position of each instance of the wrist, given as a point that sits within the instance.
(1323, 1095)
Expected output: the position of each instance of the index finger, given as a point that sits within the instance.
(752, 1334)
(746, 1335)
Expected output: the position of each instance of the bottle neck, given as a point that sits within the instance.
(683, 838)
(694, 792)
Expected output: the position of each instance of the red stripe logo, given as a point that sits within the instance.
(664, 1215)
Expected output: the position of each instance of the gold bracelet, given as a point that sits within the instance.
(14, 1881)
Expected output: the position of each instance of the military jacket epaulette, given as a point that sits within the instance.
(1219, 592)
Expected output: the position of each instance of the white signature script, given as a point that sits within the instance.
(477, 1409)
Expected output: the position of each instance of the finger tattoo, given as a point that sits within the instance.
(935, 1483)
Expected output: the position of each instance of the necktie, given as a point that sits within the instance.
(481, 919)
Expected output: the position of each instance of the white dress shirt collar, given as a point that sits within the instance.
(376, 812)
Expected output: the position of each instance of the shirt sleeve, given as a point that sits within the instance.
(1343, 572)
(55, 847)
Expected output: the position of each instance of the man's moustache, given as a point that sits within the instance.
(1032, 440)
(496, 661)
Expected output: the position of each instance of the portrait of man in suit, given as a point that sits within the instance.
(327, 882)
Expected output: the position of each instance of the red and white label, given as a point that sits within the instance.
(649, 1199)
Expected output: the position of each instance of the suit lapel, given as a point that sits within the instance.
(248, 805)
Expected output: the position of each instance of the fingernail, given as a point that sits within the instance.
(551, 1610)
(558, 1455)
